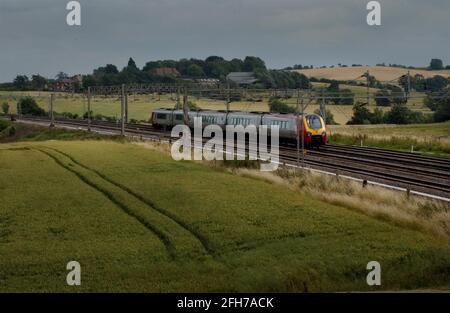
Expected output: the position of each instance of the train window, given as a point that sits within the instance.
(161, 116)
(280, 124)
(179, 117)
(314, 121)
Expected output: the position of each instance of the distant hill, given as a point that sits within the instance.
(381, 73)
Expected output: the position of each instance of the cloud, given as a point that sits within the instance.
(35, 38)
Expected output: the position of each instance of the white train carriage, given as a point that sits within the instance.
(243, 118)
(213, 118)
(287, 124)
(162, 118)
(178, 117)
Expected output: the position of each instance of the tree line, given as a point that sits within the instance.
(214, 67)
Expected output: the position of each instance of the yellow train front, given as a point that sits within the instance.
(314, 130)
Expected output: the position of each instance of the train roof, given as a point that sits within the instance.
(280, 115)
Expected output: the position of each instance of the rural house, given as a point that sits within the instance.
(242, 78)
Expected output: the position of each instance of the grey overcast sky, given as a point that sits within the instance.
(34, 36)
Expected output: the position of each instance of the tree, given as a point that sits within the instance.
(436, 64)
(195, 71)
(106, 70)
(253, 63)
(28, 106)
(436, 83)
(361, 115)
(88, 81)
(398, 114)
(151, 66)
(416, 82)
(21, 82)
(214, 58)
(131, 74)
(131, 63)
(236, 65)
(61, 75)
(333, 87)
(373, 82)
(38, 82)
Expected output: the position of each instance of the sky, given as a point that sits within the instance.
(35, 38)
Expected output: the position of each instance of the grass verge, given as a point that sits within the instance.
(431, 139)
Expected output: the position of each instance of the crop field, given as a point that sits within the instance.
(381, 73)
(141, 106)
(138, 221)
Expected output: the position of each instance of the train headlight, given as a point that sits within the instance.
(324, 134)
(308, 134)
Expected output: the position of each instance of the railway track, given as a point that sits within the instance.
(410, 178)
(411, 172)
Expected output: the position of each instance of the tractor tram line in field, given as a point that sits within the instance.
(415, 174)
(172, 233)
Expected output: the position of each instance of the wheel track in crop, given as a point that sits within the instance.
(169, 233)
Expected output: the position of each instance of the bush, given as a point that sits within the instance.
(277, 106)
(400, 114)
(11, 131)
(347, 97)
(5, 107)
(436, 100)
(68, 115)
(442, 113)
(101, 117)
(377, 117)
(431, 103)
(192, 106)
(337, 95)
(3, 125)
(329, 119)
(383, 98)
(361, 115)
(28, 106)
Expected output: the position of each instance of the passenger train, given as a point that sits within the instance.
(314, 126)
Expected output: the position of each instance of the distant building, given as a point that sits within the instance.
(165, 71)
(242, 78)
(208, 81)
(68, 84)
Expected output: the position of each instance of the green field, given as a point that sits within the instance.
(138, 221)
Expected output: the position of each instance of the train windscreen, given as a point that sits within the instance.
(314, 121)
